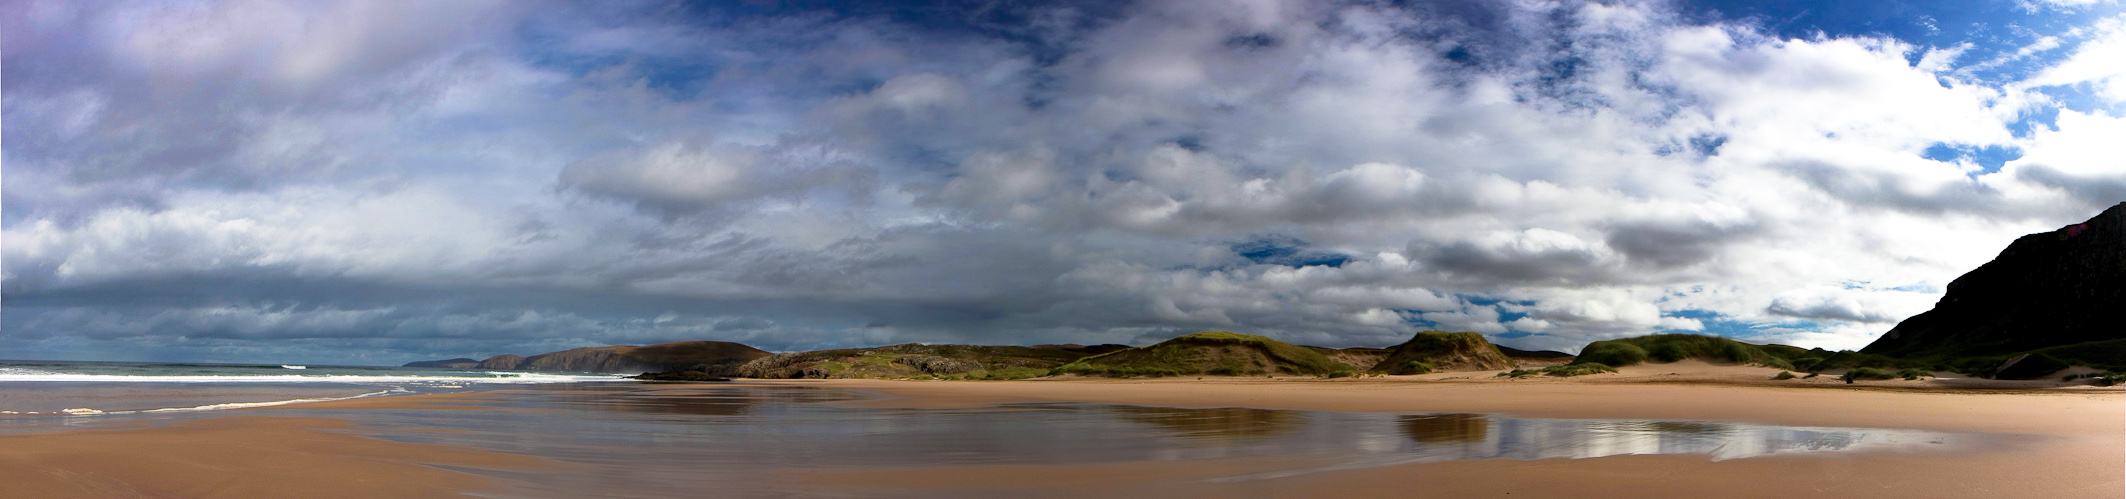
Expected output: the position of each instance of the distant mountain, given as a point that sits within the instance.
(675, 356)
(458, 363)
(2050, 290)
(1209, 352)
(1443, 351)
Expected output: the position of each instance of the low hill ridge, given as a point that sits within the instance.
(1674, 347)
(1209, 352)
(916, 360)
(628, 359)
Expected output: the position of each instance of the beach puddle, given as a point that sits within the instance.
(660, 439)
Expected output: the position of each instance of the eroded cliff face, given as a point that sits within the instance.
(504, 362)
(2048, 289)
(587, 359)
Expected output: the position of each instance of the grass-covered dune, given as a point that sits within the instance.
(1209, 352)
(1443, 351)
(1356, 357)
(1674, 347)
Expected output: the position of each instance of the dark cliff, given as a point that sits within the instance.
(2049, 289)
(504, 362)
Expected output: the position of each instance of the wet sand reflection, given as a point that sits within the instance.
(1223, 423)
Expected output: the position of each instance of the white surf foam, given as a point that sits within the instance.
(247, 405)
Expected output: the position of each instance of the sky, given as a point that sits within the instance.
(376, 182)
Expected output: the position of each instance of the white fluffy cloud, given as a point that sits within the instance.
(226, 178)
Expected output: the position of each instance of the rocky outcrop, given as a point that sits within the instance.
(932, 364)
(458, 363)
(775, 366)
(504, 362)
(2049, 289)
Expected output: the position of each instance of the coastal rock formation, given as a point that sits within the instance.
(2050, 289)
(933, 364)
(504, 362)
(1443, 351)
(1210, 352)
(458, 363)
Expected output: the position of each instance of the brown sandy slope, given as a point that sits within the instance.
(236, 456)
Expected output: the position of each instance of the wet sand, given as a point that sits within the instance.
(238, 455)
(2071, 443)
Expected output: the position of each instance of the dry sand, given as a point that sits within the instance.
(2071, 443)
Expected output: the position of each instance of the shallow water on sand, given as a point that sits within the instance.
(648, 441)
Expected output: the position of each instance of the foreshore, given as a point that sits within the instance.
(2061, 443)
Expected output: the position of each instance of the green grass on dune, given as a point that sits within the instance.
(2107, 355)
(1675, 347)
(1429, 351)
(1210, 352)
(1865, 373)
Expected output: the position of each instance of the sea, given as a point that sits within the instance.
(78, 388)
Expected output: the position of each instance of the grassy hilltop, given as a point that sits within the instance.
(1210, 352)
(1443, 351)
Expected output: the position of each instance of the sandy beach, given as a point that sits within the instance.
(2060, 442)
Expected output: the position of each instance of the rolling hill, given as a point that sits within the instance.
(1209, 352)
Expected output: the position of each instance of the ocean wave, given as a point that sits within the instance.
(12, 375)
